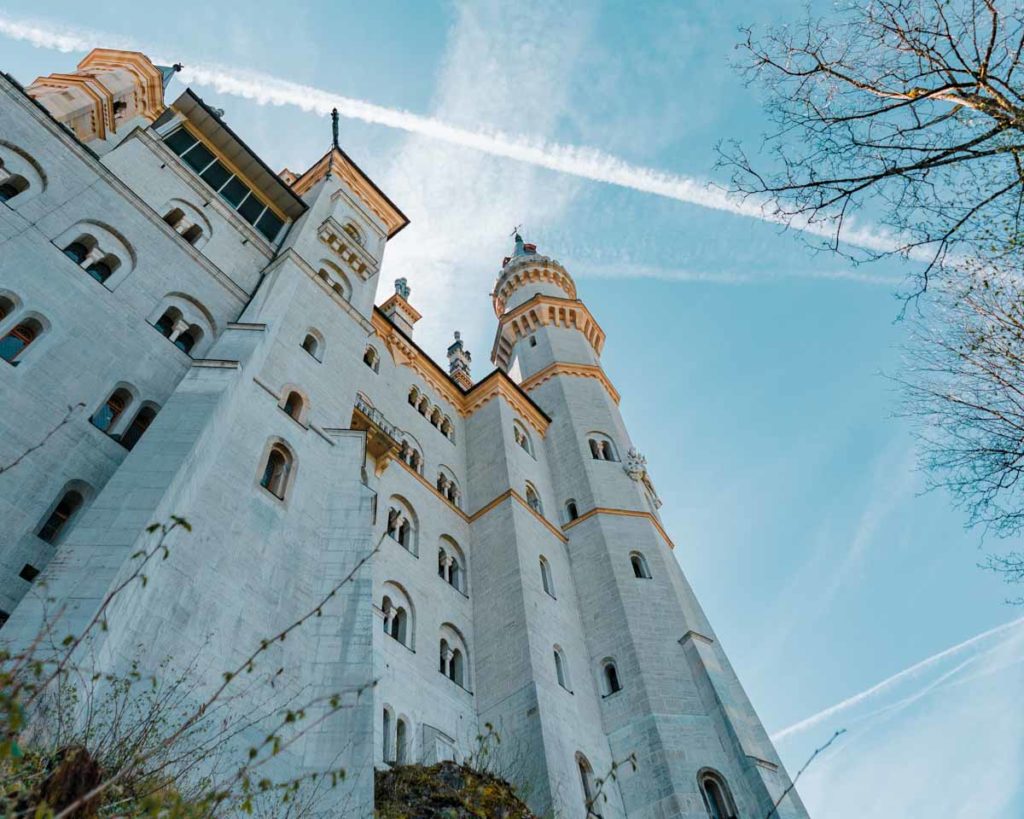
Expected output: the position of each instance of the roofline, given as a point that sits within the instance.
(384, 196)
(496, 372)
(231, 131)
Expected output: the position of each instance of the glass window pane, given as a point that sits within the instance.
(269, 224)
(180, 141)
(216, 175)
(251, 209)
(199, 157)
(235, 191)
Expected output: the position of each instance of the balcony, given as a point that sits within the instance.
(381, 435)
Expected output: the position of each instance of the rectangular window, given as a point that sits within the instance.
(269, 225)
(180, 141)
(198, 157)
(232, 189)
(216, 175)
(235, 191)
(28, 572)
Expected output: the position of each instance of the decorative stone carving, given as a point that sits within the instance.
(635, 465)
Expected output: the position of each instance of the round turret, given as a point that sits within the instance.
(525, 274)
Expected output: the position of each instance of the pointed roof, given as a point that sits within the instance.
(337, 163)
(167, 72)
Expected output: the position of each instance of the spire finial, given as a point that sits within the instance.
(334, 127)
(402, 288)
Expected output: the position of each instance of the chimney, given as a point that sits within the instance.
(458, 363)
(402, 314)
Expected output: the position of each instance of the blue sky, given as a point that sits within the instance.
(753, 370)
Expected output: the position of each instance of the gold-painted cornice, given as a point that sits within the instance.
(337, 163)
(511, 493)
(628, 513)
(540, 311)
(578, 370)
(465, 402)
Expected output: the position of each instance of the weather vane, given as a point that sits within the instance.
(516, 229)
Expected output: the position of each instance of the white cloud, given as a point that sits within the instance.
(487, 77)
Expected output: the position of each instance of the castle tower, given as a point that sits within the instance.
(111, 92)
(666, 691)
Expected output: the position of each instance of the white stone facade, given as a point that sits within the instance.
(545, 514)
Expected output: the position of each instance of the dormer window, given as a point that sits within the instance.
(231, 188)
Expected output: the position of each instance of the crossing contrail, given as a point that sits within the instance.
(575, 160)
(895, 679)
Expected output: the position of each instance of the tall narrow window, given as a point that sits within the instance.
(165, 324)
(14, 343)
(717, 799)
(545, 576)
(590, 795)
(561, 668)
(311, 345)
(639, 564)
(57, 522)
(293, 405)
(611, 678)
(371, 359)
(533, 499)
(138, 426)
(106, 416)
(401, 742)
(386, 731)
(457, 673)
(187, 340)
(571, 511)
(276, 471)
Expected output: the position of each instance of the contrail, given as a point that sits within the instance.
(895, 679)
(580, 161)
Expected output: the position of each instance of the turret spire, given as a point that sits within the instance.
(334, 128)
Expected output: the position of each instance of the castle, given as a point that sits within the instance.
(217, 322)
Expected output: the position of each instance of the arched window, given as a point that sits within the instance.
(424, 406)
(545, 576)
(277, 470)
(313, 344)
(14, 343)
(571, 510)
(718, 800)
(450, 563)
(414, 396)
(372, 359)
(448, 486)
(522, 437)
(589, 788)
(174, 216)
(447, 429)
(639, 564)
(165, 324)
(610, 675)
(601, 447)
(106, 416)
(435, 418)
(386, 735)
(143, 418)
(561, 668)
(76, 251)
(354, 233)
(7, 306)
(533, 499)
(401, 742)
(294, 406)
(187, 339)
(452, 656)
(193, 234)
(399, 617)
(102, 269)
(401, 524)
(57, 522)
(11, 187)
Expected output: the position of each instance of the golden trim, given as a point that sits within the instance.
(523, 270)
(628, 513)
(539, 311)
(464, 403)
(433, 489)
(580, 370)
(335, 163)
(511, 493)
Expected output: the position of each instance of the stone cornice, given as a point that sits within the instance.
(337, 163)
(465, 402)
(578, 370)
(629, 513)
(521, 270)
(511, 493)
(540, 311)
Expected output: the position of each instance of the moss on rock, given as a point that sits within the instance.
(445, 791)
